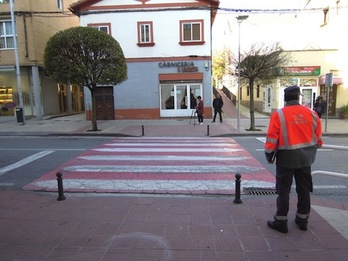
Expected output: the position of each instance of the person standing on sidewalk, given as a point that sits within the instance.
(217, 105)
(293, 136)
(200, 110)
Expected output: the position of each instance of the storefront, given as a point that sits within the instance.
(159, 89)
(306, 77)
(42, 96)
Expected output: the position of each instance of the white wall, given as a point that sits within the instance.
(166, 28)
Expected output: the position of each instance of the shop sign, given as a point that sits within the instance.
(182, 66)
(301, 71)
(176, 64)
(188, 69)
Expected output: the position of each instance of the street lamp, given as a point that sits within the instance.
(240, 19)
(18, 72)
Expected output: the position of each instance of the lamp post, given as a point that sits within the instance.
(240, 19)
(18, 72)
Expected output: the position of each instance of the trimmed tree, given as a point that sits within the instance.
(87, 57)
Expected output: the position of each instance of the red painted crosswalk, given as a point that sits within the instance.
(159, 165)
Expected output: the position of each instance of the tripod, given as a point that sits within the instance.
(193, 117)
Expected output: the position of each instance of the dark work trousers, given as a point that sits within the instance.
(304, 186)
(215, 113)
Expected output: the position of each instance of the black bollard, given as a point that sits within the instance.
(237, 199)
(142, 130)
(208, 130)
(60, 187)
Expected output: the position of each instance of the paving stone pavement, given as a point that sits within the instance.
(38, 226)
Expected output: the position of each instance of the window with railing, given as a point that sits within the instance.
(6, 35)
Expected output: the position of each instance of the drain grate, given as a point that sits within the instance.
(260, 191)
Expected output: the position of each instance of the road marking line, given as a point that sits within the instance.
(162, 169)
(6, 184)
(178, 144)
(159, 158)
(152, 185)
(263, 140)
(329, 186)
(25, 161)
(38, 149)
(164, 150)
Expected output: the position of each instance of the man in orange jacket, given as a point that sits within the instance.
(293, 136)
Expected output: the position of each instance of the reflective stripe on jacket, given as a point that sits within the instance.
(294, 134)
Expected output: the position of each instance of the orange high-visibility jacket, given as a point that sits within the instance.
(294, 134)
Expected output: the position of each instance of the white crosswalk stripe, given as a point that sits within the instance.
(160, 165)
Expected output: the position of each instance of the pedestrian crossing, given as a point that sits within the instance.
(159, 165)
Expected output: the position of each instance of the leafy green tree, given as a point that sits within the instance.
(221, 63)
(261, 63)
(87, 57)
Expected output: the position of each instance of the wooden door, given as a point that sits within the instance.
(104, 97)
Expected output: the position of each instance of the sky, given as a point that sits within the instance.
(271, 24)
(264, 4)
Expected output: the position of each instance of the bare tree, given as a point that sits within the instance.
(261, 63)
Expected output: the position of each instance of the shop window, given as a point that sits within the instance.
(191, 32)
(145, 34)
(6, 35)
(6, 101)
(167, 97)
(104, 27)
(175, 96)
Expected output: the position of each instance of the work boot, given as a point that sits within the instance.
(301, 223)
(279, 225)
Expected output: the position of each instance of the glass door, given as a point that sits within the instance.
(181, 97)
(175, 101)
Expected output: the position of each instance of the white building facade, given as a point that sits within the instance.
(167, 46)
(310, 32)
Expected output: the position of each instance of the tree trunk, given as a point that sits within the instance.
(94, 113)
(252, 110)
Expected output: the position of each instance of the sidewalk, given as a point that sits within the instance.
(182, 127)
(36, 226)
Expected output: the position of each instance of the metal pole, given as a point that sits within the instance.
(18, 72)
(327, 107)
(239, 20)
(328, 85)
(238, 91)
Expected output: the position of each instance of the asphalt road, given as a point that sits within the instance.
(32, 157)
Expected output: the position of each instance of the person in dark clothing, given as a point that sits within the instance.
(319, 106)
(217, 104)
(200, 110)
